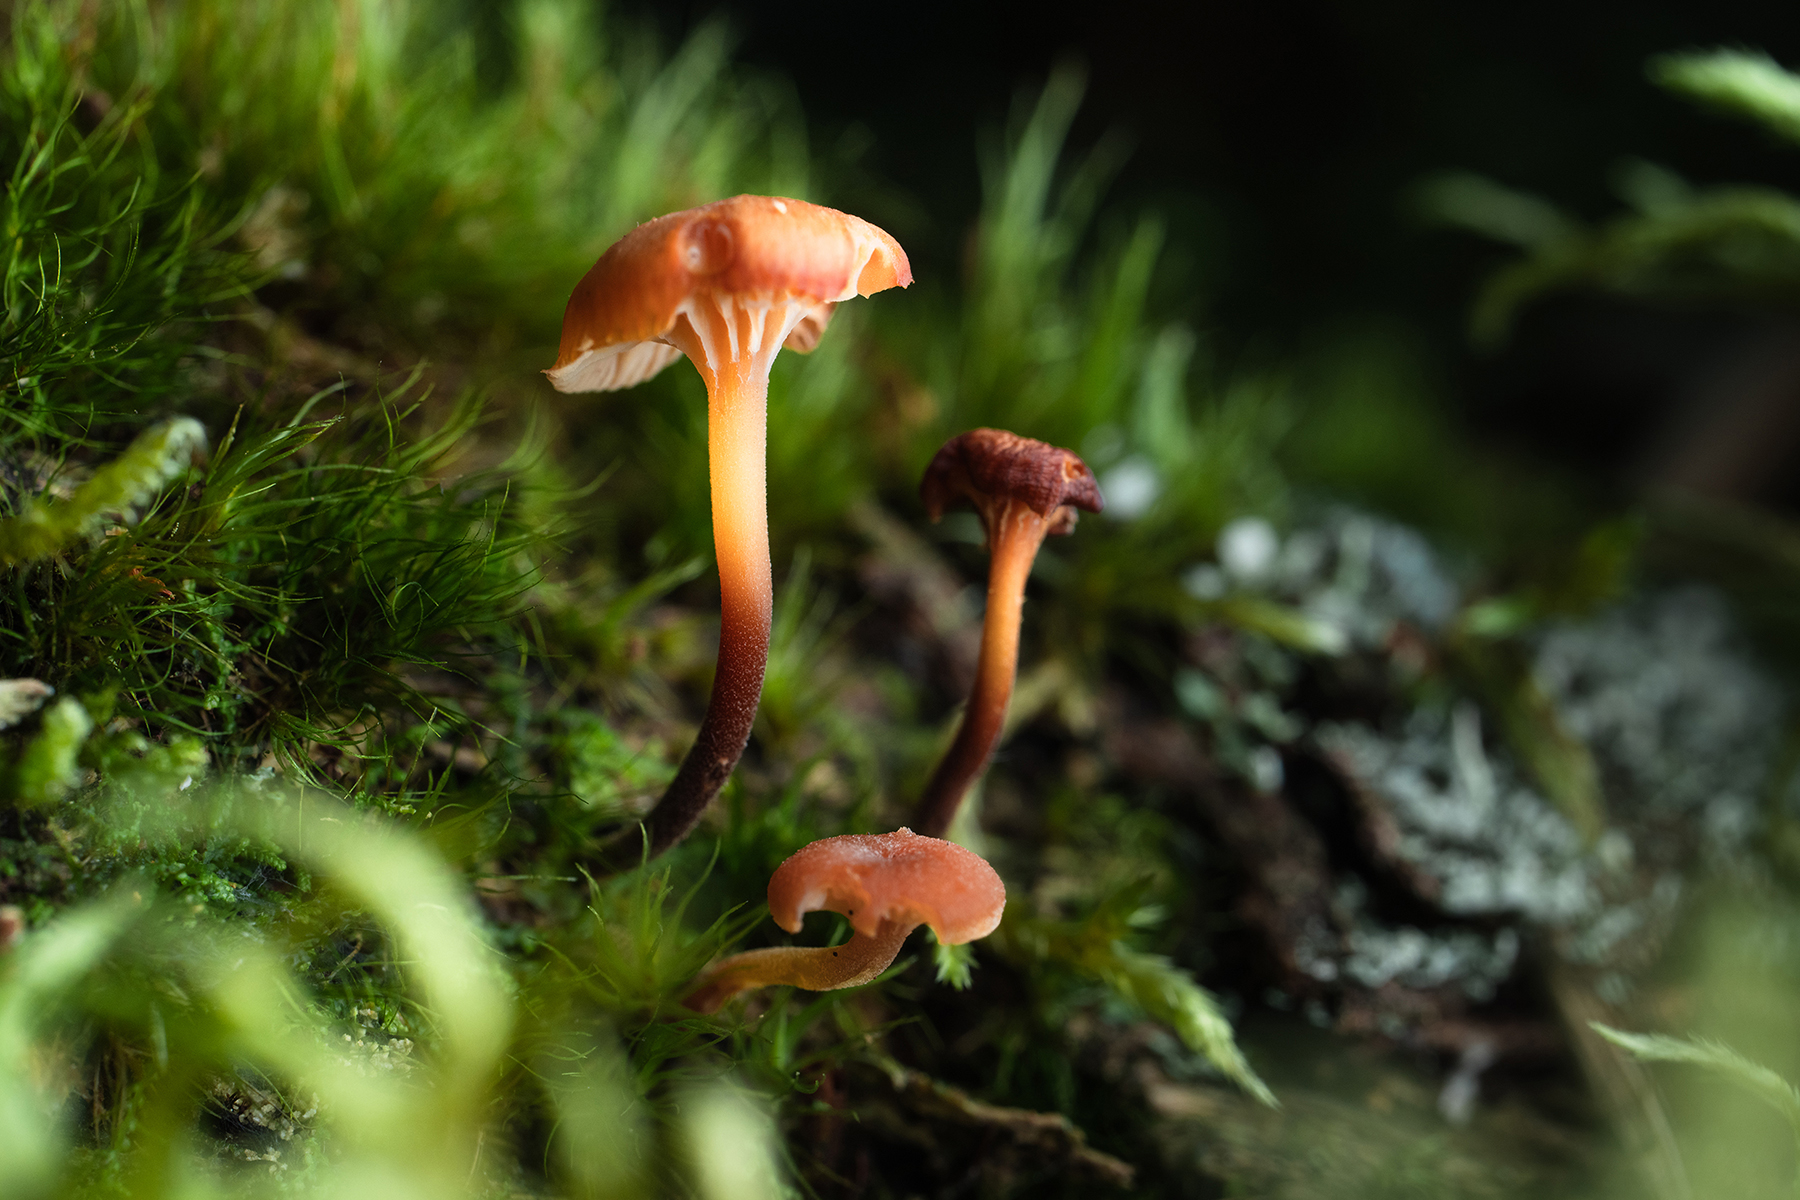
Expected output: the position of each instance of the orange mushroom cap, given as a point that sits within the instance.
(759, 251)
(989, 466)
(902, 877)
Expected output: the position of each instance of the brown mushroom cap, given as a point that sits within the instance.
(756, 250)
(901, 877)
(986, 466)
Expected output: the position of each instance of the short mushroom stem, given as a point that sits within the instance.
(736, 437)
(1015, 534)
(815, 968)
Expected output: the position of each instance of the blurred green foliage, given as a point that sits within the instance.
(1735, 245)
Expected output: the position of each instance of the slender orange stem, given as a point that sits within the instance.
(815, 968)
(1014, 533)
(737, 392)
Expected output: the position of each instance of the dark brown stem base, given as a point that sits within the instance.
(724, 732)
(960, 766)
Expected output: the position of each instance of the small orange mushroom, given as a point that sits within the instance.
(728, 284)
(887, 884)
(1025, 490)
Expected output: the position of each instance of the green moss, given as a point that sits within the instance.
(47, 769)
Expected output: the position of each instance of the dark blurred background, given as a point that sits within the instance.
(1283, 142)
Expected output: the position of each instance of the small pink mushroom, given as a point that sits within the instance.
(887, 884)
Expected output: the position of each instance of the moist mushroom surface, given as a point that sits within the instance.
(727, 284)
(887, 885)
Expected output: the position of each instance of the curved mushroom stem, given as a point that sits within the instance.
(815, 968)
(733, 344)
(1015, 533)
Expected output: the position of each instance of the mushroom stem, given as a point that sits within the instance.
(733, 347)
(1014, 534)
(815, 968)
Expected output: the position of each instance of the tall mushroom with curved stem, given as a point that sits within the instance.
(887, 884)
(728, 284)
(1025, 490)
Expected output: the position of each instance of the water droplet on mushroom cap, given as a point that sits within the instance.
(707, 247)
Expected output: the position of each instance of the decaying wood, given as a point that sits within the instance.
(1378, 831)
(1049, 1134)
(1288, 898)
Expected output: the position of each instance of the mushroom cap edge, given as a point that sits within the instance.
(769, 247)
(898, 876)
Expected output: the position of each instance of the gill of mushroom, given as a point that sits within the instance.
(1024, 491)
(727, 284)
(887, 885)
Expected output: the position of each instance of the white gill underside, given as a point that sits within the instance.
(735, 328)
(613, 367)
(729, 328)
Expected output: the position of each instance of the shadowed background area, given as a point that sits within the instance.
(1283, 143)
